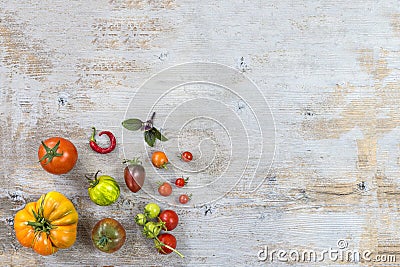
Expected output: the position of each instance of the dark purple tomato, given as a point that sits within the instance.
(108, 235)
(134, 176)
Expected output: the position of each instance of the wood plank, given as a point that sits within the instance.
(329, 71)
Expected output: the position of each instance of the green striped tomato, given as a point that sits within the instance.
(104, 190)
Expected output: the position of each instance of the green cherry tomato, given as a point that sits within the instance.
(104, 190)
(152, 229)
(151, 210)
(140, 219)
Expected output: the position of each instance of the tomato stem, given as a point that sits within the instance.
(162, 224)
(160, 244)
(154, 231)
(189, 196)
(103, 241)
(134, 161)
(41, 224)
(44, 226)
(95, 181)
(50, 153)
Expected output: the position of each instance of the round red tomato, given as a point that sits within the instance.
(187, 156)
(170, 218)
(57, 155)
(180, 182)
(183, 199)
(165, 189)
(165, 243)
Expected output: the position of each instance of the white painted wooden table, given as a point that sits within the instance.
(329, 71)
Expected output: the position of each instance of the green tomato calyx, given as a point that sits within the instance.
(134, 161)
(41, 224)
(95, 181)
(103, 241)
(50, 153)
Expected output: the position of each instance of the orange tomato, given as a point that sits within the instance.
(48, 224)
(159, 159)
(57, 155)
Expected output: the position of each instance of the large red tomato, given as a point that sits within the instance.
(57, 155)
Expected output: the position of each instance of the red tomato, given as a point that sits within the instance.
(57, 155)
(183, 199)
(170, 218)
(187, 156)
(164, 240)
(165, 189)
(180, 182)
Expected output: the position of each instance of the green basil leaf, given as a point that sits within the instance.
(132, 124)
(158, 135)
(150, 138)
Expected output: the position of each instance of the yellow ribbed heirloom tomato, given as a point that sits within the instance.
(48, 224)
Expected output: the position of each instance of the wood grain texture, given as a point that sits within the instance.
(328, 69)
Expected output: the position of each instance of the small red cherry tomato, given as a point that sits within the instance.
(180, 182)
(183, 199)
(165, 189)
(187, 156)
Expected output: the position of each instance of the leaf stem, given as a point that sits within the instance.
(169, 247)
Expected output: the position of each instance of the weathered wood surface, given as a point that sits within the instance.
(329, 70)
